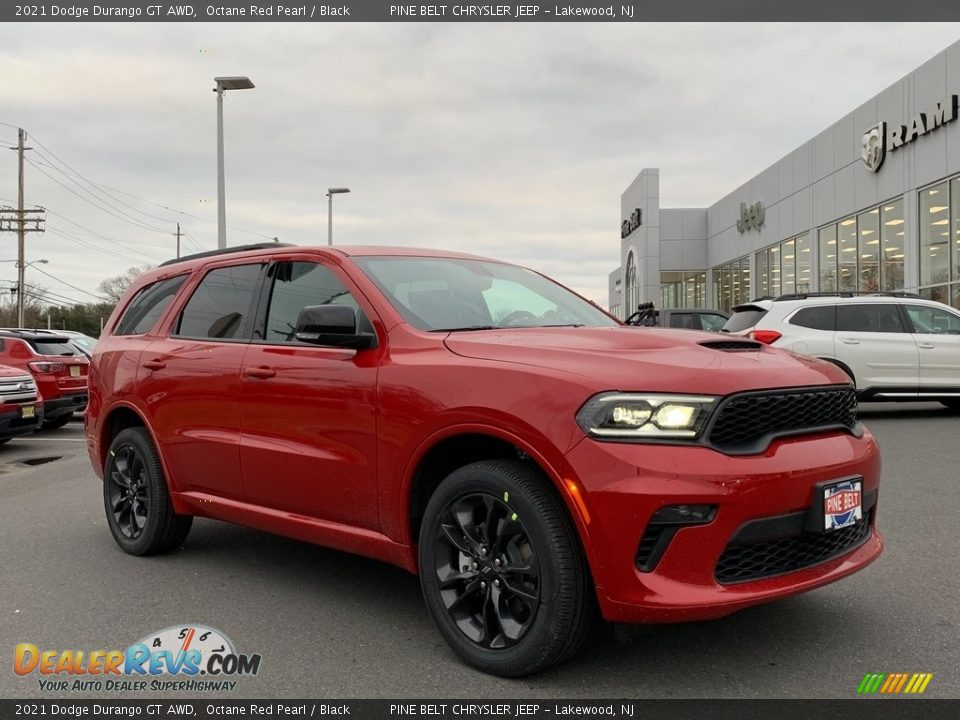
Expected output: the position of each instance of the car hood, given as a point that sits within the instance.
(647, 359)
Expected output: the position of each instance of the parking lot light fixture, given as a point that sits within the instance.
(235, 82)
(330, 193)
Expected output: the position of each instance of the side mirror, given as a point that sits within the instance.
(332, 326)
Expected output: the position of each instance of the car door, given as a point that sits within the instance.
(190, 378)
(936, 331)
(872, 340)
(309, 413)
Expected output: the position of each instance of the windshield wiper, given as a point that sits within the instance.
(468, 328)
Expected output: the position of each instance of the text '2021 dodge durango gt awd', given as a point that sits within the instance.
(536, 462)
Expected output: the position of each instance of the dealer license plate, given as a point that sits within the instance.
(27, 411)
(74, 371)
(842, 504)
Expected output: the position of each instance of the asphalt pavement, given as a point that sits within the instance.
(329, 624)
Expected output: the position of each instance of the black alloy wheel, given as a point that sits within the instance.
(139, 513)
(129, 499)
(487, 570)
(503, 574)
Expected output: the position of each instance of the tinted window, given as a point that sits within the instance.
(712, 321)
(745, 318)
(684, 320)
(43, 347)
(933, 320)
(297, 285)
(222, 304)
(816, 318)
(147, 307)
(869, 318)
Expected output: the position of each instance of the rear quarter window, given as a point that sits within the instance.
(823, 317)
(148, 305)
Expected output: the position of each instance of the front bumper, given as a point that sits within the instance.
(625, 484)
(13, 424)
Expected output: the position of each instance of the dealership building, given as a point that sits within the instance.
(870, 204)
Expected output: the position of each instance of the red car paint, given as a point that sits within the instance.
(324, 444)
(61, 380)
(21, 408)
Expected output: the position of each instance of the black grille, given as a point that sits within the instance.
(733, 345)
(747, 422)
(740, 563)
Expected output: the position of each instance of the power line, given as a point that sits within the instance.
(67, 236)
(54, 277)
(119, 243)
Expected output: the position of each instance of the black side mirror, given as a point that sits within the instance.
(332, 326)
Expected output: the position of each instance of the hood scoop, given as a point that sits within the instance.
(733, 345)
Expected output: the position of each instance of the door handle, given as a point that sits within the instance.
(850, 341)
(927, 346)
(154, 364)
(260, 373)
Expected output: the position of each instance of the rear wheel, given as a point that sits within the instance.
(502, 572)
(136, 500)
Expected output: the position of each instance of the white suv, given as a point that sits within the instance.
(894, 347)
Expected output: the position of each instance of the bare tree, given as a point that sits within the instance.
(115, 287)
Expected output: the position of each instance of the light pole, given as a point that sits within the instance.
(330, 193)
(224, 83)
(21, 289)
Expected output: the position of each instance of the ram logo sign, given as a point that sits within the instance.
(884, 137)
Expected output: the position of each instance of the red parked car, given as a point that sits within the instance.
(474, 422)
(59, 369)
(21, 410)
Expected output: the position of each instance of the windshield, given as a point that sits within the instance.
(84, 341)
(439, 294)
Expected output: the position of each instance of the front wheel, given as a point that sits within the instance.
(502, 572)
(136, 499)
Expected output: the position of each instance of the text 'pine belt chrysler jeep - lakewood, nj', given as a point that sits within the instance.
(539, 464)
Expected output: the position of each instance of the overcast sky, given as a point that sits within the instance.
(513, 141)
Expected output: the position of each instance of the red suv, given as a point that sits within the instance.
(59, 369)
(472, 421)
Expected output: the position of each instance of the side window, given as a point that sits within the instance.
(869, 318)
(933, 320)
(712, 321)
(823, 317)
(297, 285)
(684, 320)
(222, 304)
(148, 305)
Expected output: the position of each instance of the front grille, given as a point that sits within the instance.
(18, 389)
(733, 345)
(743, 562)
(747, 422)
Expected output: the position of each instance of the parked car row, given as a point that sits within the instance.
(43, 380)
(894, 346)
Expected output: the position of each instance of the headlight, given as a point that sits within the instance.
(643, 416)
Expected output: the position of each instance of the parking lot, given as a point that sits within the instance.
(333, 625)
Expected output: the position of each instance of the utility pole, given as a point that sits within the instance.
(21, 216)
(177, 234)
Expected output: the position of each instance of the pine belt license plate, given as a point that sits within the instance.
(74, 371)
(842, 504)
(27, 411)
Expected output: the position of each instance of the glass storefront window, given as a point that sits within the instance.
(847, 254)
(744, 280)
(804, 264)
(731, 284)
(935, 235)
(891, 245)
(763, 279)
(956, 296)
(955, 213)
(773, 262)
(828, 258)
(788, 267)
(868, 250)
(940, 293)
(683, 289)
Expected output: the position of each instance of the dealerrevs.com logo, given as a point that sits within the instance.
(180, 657)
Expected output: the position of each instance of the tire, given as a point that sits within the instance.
(58, 422)
(951, 404)
(136, 499)
(478, 611)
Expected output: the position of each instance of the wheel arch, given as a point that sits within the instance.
(842, 365)
(455, 447)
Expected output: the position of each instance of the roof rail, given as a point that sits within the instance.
(846, 293)
(225, 251)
